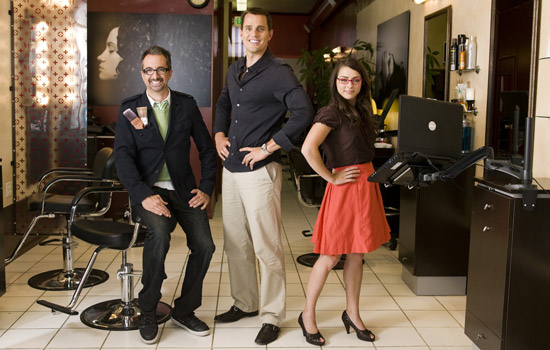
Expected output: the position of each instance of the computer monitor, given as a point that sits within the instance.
(430, 127)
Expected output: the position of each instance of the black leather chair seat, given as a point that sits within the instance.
(58, 203)
(111, 234)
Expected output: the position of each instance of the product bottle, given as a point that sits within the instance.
(460, 93)
(453, 57)
(472, 53)
(461, 51)
(467, 135)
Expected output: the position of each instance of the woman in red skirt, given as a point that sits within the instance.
(351, 220)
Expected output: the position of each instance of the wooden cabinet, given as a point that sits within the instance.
(509, 270)
(434, 235)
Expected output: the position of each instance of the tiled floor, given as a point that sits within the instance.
(399, 319)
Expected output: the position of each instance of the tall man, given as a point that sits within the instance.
(152, 160)
(259, 91)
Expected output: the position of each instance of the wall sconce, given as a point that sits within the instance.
(419, 1)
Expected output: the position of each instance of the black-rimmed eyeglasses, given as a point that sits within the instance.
(159, 70)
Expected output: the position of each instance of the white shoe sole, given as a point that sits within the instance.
(197, 333)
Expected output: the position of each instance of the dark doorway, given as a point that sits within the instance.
(509, 79)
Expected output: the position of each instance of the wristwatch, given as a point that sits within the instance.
(264, 148)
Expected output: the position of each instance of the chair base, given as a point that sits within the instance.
(58, 279)
(309, 260)
(115, 315)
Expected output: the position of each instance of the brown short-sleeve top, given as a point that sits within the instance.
(345, 144)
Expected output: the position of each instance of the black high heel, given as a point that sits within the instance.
(314, 339)
(362, 334)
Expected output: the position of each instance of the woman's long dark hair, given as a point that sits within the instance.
(361, 114)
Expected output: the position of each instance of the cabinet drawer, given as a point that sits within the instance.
(406, 257)
(480, 334)
(492, 206)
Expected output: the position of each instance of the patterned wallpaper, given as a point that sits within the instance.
(50, 73)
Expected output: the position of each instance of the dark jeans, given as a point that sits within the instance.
(194, 223)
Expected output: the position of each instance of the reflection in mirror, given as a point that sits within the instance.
(437, 37)
(511, 79)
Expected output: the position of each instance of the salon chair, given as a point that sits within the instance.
(51, 205)
(116, 314)
(309, 185)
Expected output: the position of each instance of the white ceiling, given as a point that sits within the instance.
(282, 6)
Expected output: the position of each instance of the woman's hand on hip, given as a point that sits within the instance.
(344, 176)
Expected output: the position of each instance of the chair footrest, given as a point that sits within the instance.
(56, 307)
(48, 241)
(57, 242)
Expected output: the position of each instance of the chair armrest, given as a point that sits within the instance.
(80, 178)
(89, 190)
(63, 171)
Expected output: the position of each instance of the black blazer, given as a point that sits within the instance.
(141, 154)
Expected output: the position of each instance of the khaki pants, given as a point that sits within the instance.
(252, 229)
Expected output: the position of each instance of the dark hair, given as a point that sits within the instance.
(157, 50)
(257, 11)
(360, 114)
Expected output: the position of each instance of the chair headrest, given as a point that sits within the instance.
(104, 163)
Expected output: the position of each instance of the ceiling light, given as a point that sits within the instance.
(418, 1)
(241, 5)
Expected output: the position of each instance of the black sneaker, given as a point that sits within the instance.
(192, 324)
(234, 314)
(148, 328)
(267, 334)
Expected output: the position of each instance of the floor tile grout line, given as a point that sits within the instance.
(214, 328)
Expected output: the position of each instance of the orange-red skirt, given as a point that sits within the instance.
(351, 218)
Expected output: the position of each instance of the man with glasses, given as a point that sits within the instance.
(152, 148)
(260, 89)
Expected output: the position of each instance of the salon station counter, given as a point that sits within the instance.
(434, 235)
(509, 267)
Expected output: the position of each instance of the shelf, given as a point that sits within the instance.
(460, 71)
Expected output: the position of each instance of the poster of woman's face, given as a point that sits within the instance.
(109, 58)
(116, 42)
(392, 57)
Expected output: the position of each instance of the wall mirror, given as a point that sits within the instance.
(512, 76)
(437, 40)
